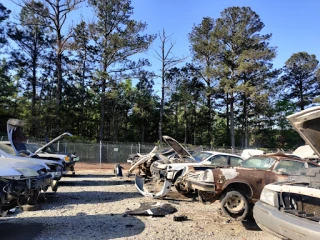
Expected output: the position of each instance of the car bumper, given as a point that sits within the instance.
(40, 182)
(139, 183)
(281, 224)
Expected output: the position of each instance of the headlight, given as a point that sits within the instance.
(28, 172)
(67, 159)
(269, 197)
(54, 167)
(206, 176)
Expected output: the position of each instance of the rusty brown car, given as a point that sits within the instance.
(239, 187)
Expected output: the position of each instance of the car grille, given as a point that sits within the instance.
(307, 207)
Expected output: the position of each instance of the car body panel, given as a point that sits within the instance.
(55, 167)
(62, 136)
(306, 123)
(9, 172)
(272, 220)
(176, 146)
(296, 212)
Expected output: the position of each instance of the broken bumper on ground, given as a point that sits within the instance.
(139, 183)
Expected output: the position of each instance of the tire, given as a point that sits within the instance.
(180, 187)
(235, 205)
(207, 197)
(54, 185)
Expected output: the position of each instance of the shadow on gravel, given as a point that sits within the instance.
(87, 197)
(251, 225)
(20, 231)
(81, 226)
(88, 175)
(92, 183)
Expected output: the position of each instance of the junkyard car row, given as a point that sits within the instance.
(289, 206)
(280, 191)
(24, 174)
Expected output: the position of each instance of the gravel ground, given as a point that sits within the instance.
(92, 205)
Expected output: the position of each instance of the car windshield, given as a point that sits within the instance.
(32, 147)
(7, 149)
(200, 156)
(259, 162)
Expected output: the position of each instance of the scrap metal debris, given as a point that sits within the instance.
(155, 209)
(118, 170)
(180, 218)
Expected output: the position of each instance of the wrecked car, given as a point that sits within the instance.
(55, 166)
(166, 152)
(168, 171)
(238, 188)
(144, 163)
(21, 182)
(19, 143)
(291, 209)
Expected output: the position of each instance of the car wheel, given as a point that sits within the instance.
(54, 185)
(207, 197)
(181, 188)
(235, 205)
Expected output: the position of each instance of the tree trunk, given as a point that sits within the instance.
(102, 109)
(232, 121)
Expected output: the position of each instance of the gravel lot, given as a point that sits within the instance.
(92, 205)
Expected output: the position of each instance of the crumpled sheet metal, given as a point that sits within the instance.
(139, 183)
(155, 209)
(143, 159)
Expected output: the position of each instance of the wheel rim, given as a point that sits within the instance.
(235, 204)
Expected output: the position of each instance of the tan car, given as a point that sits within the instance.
(239, 187)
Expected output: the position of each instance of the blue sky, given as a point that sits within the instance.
(294, 24)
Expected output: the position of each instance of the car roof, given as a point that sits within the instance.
(224, 153)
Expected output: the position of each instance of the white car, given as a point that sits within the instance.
(55, 167)
(21, 182)
(291, 209)
(20, 146)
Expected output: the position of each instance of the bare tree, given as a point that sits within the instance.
(168, 60)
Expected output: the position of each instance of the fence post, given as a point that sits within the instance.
(58, 148)
(139, 147)
(100, 153)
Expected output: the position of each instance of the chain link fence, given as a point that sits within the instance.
(119, 152)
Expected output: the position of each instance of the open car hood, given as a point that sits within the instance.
(62, 136)
(176, 146)
(307, 124)
(17, 139)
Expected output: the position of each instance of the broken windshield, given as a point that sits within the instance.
(263, 163)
